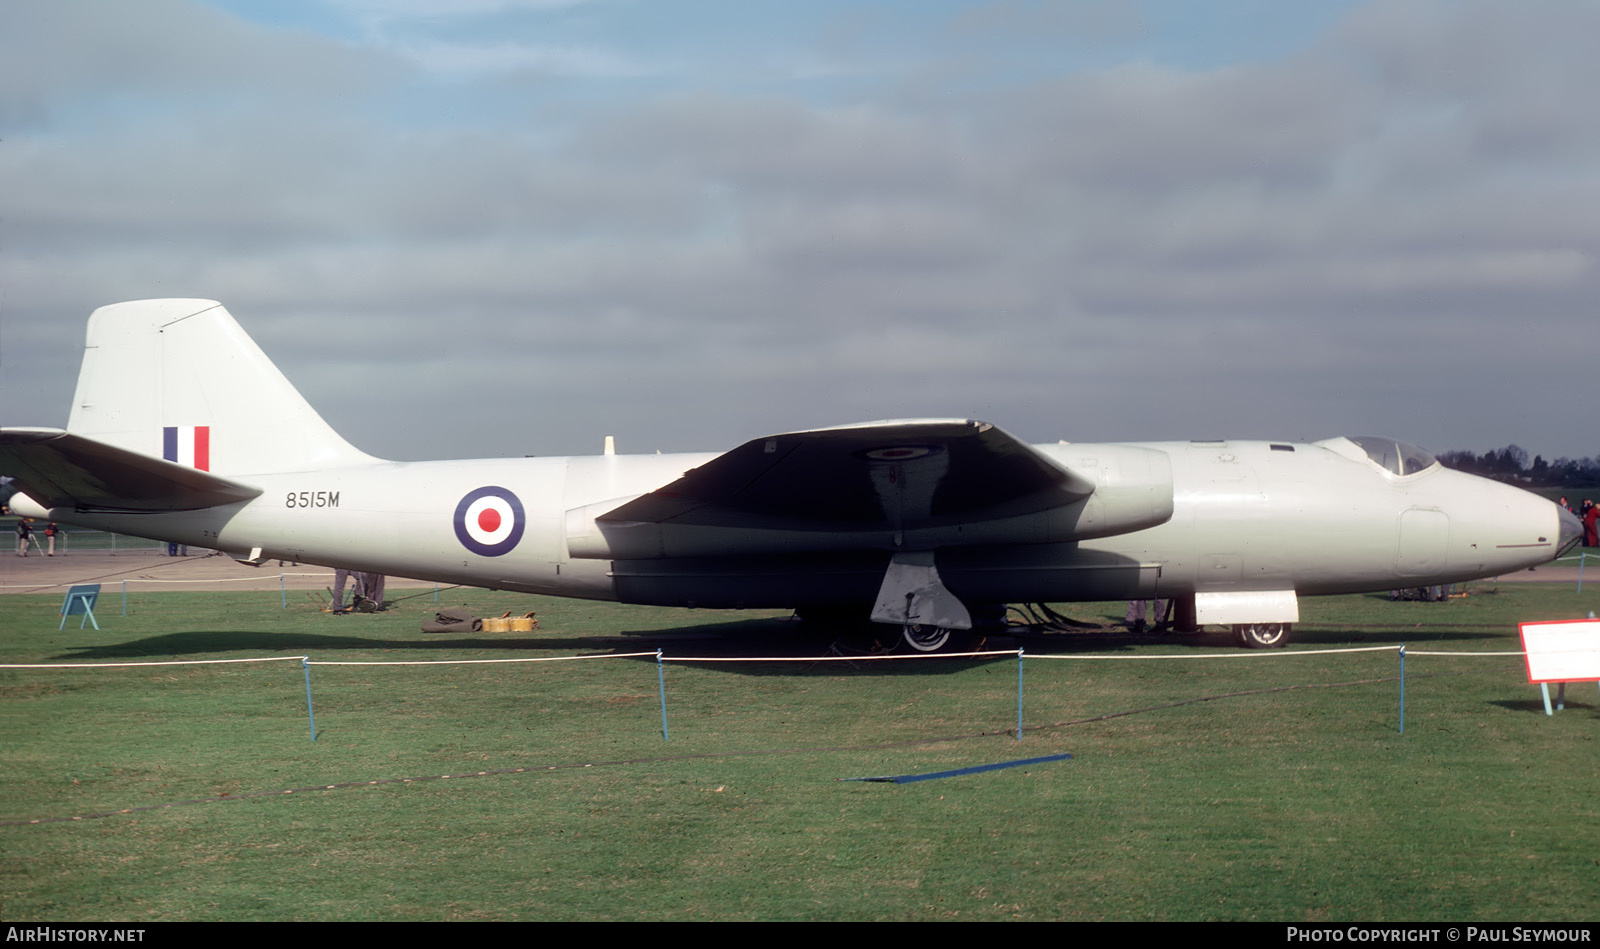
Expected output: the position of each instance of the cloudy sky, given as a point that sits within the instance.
(504, 227)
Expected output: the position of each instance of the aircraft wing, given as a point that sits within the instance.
(58, 469)
(893, 475)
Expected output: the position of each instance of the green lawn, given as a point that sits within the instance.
(1298, 804)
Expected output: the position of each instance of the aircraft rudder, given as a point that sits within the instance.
(179, 379)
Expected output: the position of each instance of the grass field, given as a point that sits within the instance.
(1303, 803)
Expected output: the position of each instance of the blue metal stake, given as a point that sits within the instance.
(1402, 688)
(661, 684)
(1581, 558)
(283, 590)
(305, 663)
(1019, 695)
(436, 593)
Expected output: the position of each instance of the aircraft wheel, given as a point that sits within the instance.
(920, 637)
(1262, 635)
(924, 639)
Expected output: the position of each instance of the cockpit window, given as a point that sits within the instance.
(1398, 457)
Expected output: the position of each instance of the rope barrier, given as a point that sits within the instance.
(661, 659)
(1449, 652)
(473, 662)
(931, 655)
(1251, 654)
(121, 665)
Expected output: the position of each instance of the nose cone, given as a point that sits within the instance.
(1496, 528)
(1571, 530)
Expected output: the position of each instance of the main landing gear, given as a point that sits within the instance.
(921, 637)
(910, 638)
(987, 619)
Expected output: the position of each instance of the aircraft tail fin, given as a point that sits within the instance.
(181, 381)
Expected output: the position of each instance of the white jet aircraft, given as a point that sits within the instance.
(183, 430)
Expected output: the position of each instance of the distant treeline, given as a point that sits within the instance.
(1510, 464)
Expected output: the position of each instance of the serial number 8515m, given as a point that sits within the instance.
(311, 499)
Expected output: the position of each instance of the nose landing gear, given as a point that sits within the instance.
(1262, 635)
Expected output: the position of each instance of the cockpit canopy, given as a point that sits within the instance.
(1397, 457)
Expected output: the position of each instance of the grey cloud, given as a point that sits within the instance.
(65, 63)
(1143, 129)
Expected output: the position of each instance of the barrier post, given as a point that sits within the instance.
(1402, 688)
(284, 590)
(1019, 694)
(305, 663)
(661, 685)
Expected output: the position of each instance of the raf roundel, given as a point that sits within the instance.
(489, 521)
(900, 452)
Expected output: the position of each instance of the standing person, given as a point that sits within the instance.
(1135, 617)
(369, 592)
(1591, 516)
(50, 532)
(24, 534)
(340, 577)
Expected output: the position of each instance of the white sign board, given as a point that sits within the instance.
(1562, 651)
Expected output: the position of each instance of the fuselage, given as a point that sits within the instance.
(1244, 516)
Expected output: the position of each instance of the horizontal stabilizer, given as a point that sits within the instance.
(59, 470)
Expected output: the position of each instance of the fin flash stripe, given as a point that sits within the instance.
(188, 445)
